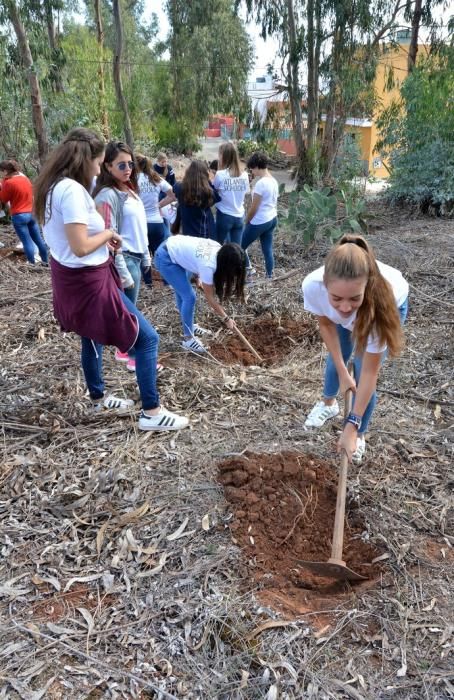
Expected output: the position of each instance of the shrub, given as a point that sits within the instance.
(417, 134)
(314, 213)
(246, 147)
(176, 136)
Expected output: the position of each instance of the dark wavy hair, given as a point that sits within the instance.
(10, 166)
(71, 158)
(230, 274)
(105, 178)
(258, 159)
(196, 189)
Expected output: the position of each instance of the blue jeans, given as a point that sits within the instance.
(28, 232)
(145, 353)
(177, 277)
(133, 261)
(331, 383)
(265, 233)
(157, 234)
(228, 228)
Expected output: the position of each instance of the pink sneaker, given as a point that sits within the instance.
(131, 364)
(121, 356)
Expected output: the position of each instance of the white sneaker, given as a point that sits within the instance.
(165, 420)
(358, 454)
(193, 345)
(199, 331)
(320, 414)
(113, 403)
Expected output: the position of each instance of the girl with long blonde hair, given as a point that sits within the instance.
(361, 304)
(232, 185)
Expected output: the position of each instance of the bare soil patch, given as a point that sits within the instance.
(273, 338)
(283, 506)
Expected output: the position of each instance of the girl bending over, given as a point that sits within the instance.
(360, 304)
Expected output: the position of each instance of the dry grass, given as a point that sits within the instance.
(111, 584)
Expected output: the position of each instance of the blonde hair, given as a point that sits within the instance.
(230, 161)
(351, 259)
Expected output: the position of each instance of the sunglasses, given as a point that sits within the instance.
(123, 166)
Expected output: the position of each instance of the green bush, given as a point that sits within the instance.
(176, 136)
(315, 213)
(246, 147)
(418, 136)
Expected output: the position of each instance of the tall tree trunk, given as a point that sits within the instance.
(415, 24)
(330, 138)
(57, 82)
(304, 174)
(117, 73)
(175, 53)
(314, 37)
(101, 84)
(35, 91)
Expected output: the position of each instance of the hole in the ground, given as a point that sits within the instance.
(273, 338)
(283, 506)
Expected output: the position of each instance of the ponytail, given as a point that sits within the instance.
(146, 167)
(352, 258)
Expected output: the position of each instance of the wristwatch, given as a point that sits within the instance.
(354, 420)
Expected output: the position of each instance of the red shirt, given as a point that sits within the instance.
(18, 191)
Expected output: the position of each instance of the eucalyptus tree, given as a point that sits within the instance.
(11, 13)
(118, 51)
(210, 57)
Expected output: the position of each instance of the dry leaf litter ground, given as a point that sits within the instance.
(138, 565)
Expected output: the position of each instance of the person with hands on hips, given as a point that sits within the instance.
(221, 271)
(361, 304)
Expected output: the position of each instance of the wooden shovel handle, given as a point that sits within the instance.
(339, 518)
(246, 342)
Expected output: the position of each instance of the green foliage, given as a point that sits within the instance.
(246, 147)
(211, 55)
(417, 135)
(175, 135)
(313, 213)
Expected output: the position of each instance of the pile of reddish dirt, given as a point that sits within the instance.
(12, 254)
(272, 338)
(284, 508)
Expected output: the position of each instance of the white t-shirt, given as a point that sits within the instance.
(316, 300)
(197, 255)
(149, 194)
(71, 204)
(232, 191)
(268, 189)
(134, 226)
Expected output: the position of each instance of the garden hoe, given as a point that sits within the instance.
(336, 567)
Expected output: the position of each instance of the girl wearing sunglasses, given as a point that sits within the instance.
(117, 200)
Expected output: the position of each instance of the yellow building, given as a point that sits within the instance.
(393, 60)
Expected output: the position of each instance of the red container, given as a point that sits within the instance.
(212, 132)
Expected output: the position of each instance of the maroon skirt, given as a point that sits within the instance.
(87, 301)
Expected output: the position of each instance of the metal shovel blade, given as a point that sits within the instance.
(337, 570)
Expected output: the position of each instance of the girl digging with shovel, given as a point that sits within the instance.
(361, 305)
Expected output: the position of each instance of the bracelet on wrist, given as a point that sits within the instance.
(224, 319)
(354, 420)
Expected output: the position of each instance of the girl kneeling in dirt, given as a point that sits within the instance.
(361, 305)
(87, 294)
(221, 269)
